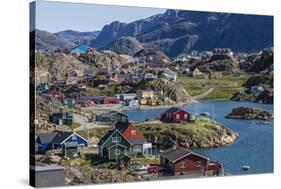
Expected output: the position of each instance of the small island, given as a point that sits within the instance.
(249, 113)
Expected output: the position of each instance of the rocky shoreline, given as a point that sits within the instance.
(249, 113)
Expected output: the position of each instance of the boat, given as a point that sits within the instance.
(205, 114)
(245, 167)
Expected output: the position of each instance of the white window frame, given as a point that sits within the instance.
(117, 151)
(177, 116)
(136, 148)
(198, 163)
(182, 164)
(116, 139)
(185, 116)
(133, 132)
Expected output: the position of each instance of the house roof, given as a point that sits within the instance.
(173, 110)
(106, 136)
(71, 144)
(136, 141)
(61, 136)
(80, 49)
(174, 154)
(122, 126)
(46, 138)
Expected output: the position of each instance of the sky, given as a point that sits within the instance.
(58, 16)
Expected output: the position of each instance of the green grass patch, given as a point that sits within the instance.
(224, 87)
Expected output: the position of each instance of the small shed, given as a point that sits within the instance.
(124, 161)
(70, 148)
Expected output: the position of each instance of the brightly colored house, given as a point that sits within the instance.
(176, 115)
(124, 139)
(57, 140)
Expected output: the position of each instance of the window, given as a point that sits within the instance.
(182, 164)
(74, 137)
(178, 116)
(198, 163)
(117, 151)
(133, 132)
(185, 116)
(137, 148)
(116, 139)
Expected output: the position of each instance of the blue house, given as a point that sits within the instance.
(57, 140)
(80, 49)
(131, 103)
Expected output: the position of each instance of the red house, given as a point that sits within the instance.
(181, 161)
(56, 94)
(86, 101)
(175, 115)
(133, 135)
(129, 131)
(110, 100)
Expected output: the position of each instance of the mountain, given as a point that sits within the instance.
(177, 31)
(76, 36)
(125, 45)
(48, 41)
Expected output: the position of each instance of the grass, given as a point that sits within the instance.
(224, 87)
(200, 127)
(96, 132)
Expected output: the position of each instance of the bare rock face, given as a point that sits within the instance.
(172, 90)
(249, 113)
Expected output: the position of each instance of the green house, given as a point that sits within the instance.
(113, 145)
(70, 148)
(113, 117)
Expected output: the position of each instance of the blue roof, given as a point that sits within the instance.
(80, 49)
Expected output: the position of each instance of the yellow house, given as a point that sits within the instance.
(145, 94)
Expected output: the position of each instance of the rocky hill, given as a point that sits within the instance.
(77, 37)
(56, 65)
(125, 45)
(172, 90)
(152, 55)
(225, 65)
(49, 41)
(105, 59)
(262, 62)
(178, 31)
(249, 113)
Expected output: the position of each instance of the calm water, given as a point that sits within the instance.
(253, 148)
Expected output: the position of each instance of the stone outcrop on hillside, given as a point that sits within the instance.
(172, 90)
(249, 113)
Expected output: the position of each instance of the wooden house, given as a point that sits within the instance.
(181, 161)
(145, 94)
(57, 139)
(61, 118)
(124, 139)
(176, 115)
(113, 117)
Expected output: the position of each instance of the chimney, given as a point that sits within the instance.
(174, 146)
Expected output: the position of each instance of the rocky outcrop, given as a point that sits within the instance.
(125, 45)
(172, 90)
(153, 56)
(48, 41)
(262, 62)
(249, 113)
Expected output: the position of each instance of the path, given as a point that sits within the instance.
(203, 95)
